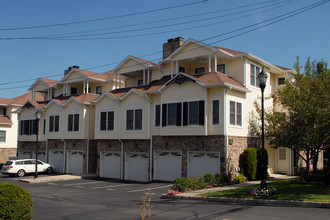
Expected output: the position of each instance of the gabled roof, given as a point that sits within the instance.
(4, 120)
(89, 75)
(49, 83)
(144, 62)
(21, 100)
(37, 105)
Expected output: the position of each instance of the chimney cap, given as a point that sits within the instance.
(178, 38)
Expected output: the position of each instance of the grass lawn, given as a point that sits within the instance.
(285, 190)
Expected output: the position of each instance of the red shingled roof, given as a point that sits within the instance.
(4, 120)
(217, 78)
(144, 61)
(50, 82)
(232, 52)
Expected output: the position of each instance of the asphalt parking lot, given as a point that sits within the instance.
(108, 199)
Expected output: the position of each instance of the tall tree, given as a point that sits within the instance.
(304, 123)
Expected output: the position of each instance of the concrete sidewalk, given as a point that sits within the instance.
(55, 178)
(195, 195)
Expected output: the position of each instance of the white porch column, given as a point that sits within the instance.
(210, 62)
(177, 67)
(87, 85)
(84, 89)
(144, 76)
(172, 69)
(215, 63)
(119, 81)
(116, 82)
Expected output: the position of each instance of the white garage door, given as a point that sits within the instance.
(56, 158)
(110, 165)
(168, 165)
(75, 162)
(24, 155)
(136, 166)
(200, 163)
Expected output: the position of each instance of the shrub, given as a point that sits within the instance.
(180, 184)
(195, 183)
(259, 163)
(1, 164)
(15, 202)
(249, 163)
(240, 179)
(209, 179)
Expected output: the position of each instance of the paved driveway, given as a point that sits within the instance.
(105, 199)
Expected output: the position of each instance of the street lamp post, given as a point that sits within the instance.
(37, 131)
(262, 83)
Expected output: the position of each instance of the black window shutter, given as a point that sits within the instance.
(164, 112)
(201, 112)
(185, 113)
(178, 113)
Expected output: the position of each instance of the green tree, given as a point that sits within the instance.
(303, 126)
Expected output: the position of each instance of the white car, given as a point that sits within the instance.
(21, 167)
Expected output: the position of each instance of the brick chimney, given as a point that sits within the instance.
(171, 45)
(70, 68)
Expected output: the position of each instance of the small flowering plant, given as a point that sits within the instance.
(173, 192)
(263, 192)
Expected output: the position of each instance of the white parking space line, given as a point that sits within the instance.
(102, 187)
(141, 190)
(78, 184)
(53, 184)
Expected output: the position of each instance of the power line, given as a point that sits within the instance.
(106, 18)
(259, 26)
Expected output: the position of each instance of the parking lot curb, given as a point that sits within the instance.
(51, 179)
(247, 201)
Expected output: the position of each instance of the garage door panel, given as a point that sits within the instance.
(168, 165)
(56, 157)
(75, 162)
(201, 163)
(137, 166)
(110, 165)
(24, 155)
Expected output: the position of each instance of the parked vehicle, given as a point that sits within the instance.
(21, 167)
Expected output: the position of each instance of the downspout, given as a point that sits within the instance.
(225, 125)
(150, 137)
(121, 146)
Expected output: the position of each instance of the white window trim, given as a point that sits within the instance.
(167, 125)
(281, 78)
(59, 124)
(160, 115)
(212, 124)
(73, 113)
(225, 67)
(231, 125)
(188, 119)
(256, 74)
(133, 130)
(114, 118)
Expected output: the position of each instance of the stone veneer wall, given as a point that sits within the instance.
(5, 153)
(31, 146)
(192, 143)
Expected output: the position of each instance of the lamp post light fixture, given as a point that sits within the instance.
(37, 132)
(262, 77)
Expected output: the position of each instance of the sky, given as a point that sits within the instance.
(42, 38)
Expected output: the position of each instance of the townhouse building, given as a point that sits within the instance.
(9, 124)
(186, 115)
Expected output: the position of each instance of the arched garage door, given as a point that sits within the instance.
(110, 165)
(200, 163)
(136, 166)
(167, 165)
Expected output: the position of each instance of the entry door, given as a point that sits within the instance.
(283, 160)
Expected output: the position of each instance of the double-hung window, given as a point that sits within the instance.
(28, 127)
(54, 122)
(172, 114)
(134, 119)
(215, 112)
(193, 113)
(157, 115)
(281, 81)
(254, 72)
(2, 136)
(107, 121)
(221, 68)
(73, 122)
(235, 113)
(200, 70)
